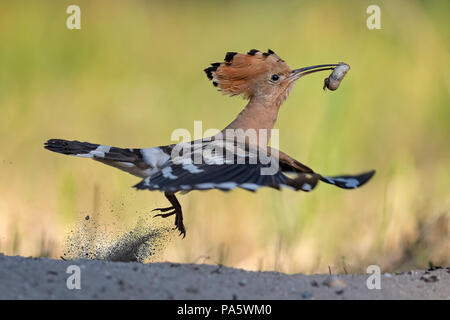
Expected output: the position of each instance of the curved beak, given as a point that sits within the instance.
(298, 73)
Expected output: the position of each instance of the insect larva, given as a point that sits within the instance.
(335, 78)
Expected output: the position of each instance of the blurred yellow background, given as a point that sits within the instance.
(134, 73)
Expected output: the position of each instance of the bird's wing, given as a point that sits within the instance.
(224, 165)
(289, 164)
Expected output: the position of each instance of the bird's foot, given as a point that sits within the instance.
(178, 217)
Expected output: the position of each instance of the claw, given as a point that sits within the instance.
(180, 227)
(164, 209)
(164, 215)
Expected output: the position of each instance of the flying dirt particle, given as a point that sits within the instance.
(134, 246)
(86, 218)
(88, 241)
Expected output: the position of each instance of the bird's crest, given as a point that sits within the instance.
(237, 74)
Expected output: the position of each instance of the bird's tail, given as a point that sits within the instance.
(138, 162)
(91, 150)
(349, 181)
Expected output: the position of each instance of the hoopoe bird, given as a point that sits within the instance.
(224, 161)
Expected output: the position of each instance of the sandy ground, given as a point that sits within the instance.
(39, 278)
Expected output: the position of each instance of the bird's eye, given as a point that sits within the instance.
(274, 77)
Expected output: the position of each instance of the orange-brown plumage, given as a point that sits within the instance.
(246, 74)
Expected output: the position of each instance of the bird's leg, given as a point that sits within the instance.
(176, 209)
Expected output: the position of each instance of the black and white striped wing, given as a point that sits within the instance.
(224, 173)
(224, 177)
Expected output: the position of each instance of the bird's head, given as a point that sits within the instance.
(261, 75)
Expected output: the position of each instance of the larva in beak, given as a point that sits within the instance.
(335, 78)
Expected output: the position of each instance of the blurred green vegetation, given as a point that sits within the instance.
(133, 73)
